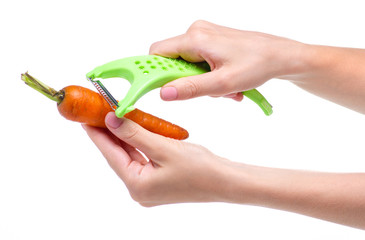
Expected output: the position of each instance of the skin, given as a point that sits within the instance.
(179, 171)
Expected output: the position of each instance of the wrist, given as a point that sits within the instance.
(235, 184)
(303, 62)
(298, 60)
(253, 185)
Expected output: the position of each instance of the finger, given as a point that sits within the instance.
(152, 145)
(235, 96)
(133, 153)
(168, 47)
(116, 156)
(193, 86)
(175, 47)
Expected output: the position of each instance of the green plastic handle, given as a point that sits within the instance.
(260, 100)
(149, 72)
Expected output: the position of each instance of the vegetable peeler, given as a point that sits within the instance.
(149, 72)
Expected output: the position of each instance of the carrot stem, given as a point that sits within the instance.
(47, 91)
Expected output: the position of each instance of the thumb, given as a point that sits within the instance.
(152, 145)
(191, 87)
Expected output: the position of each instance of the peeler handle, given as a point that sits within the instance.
(260, 100)
(148, 72)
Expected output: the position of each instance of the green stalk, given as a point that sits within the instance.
(47, 91)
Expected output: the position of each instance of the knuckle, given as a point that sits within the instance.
(198, 37)
(154, 48)
(133, 130)
(191, 89)
(198, 32)
(199, 24)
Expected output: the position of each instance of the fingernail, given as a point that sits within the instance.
(113, 121)
(168, 93)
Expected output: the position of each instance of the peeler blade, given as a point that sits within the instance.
(105, 93)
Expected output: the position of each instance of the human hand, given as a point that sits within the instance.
(239, 60)
(177, 171)
(181, 172)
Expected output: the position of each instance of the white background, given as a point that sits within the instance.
(54, 184)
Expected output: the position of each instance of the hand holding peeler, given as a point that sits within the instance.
(149, 72)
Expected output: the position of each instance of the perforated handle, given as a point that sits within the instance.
(145, 73)
(148, 72)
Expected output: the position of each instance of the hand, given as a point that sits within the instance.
(177, 171)
(181, 172)
(239, 60)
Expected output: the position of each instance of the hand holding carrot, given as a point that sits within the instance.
(177, 171)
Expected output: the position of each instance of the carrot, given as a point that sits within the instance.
(83, 105)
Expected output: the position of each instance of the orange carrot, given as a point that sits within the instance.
(157, 125)
(83, 105)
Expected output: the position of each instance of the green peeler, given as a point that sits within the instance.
(149, 72)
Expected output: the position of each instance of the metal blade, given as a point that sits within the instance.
(105, 93)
